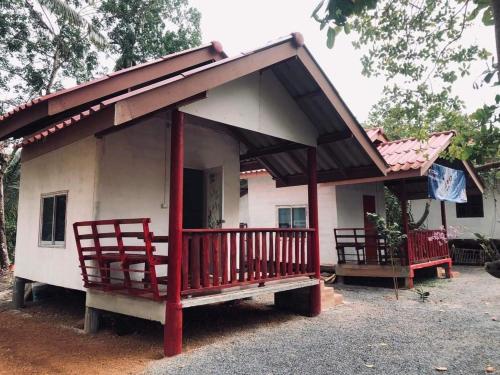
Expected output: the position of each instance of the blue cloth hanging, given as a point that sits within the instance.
(446, 184)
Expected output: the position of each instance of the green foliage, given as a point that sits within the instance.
(140, 30)
(392, 209)
(407, 113)
(42, 44)
(488, 245)
(390, 231)
(423, 295)
(418, 48)
(393, 240)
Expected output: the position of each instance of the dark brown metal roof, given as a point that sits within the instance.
(57, 106)
(344, 149)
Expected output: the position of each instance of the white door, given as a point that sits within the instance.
(214, 197)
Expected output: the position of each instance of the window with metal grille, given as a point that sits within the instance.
(53, 219)
(473, 207)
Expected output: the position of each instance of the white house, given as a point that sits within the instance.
(481, 214)
(338, 207)
(347, 237)
(130, 183)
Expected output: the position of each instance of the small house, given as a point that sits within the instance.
(130, 184)
(348, 240)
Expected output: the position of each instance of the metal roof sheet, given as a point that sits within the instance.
(313, 93)
(216, 46)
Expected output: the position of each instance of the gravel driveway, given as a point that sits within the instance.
(371, 334)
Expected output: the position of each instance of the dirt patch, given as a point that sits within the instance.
(36, 346)
(47, 337)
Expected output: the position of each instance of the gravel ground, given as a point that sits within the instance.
(371, 333)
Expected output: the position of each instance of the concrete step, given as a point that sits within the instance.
(329, 299)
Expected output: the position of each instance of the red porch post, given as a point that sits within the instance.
(172, 339)
(315, 303)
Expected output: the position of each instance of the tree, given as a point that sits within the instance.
(418, 47)
(44, 42)
(140, 30)
(447, 19)
(7, 155)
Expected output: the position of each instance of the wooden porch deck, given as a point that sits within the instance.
(362, 254)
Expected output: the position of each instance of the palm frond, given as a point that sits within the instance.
(62, 9)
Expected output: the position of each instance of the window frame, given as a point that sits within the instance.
(53, 243)
(291, 207)
(467, 214)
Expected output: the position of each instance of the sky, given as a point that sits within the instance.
(243, 25)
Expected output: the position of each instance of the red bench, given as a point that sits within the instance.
(109, 262)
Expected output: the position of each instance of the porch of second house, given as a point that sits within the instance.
(362, 253)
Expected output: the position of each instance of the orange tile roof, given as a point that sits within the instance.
(60, 125)
(411, 153)
(376, 134)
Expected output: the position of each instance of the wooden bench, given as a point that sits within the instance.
(109, 262)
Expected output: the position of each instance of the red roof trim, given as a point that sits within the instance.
(216, 46)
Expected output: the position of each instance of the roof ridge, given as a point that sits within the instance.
(416, 139)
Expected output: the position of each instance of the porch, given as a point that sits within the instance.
(362, 253)
(130, 269)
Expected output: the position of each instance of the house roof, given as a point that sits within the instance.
(61, 105)
(411, 158)
(376, 135)
(413, 154)
(344, 149)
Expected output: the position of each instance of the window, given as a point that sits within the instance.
(53, 219)
(292, 217)
(473, 207)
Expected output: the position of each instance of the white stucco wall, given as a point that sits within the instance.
(350, 203)
(70, 168)
(340, 206)
(462, 227)
(132, 179)
(257, 102)
(121, 175)
(264, 199)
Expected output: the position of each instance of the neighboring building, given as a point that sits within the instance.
(347, 237)
(339, 207)
(481, 214)
(131, 181)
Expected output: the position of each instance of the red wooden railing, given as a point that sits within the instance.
(220, 258)
(427, 245)
(118, 255)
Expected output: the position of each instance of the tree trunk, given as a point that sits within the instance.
(496, 16)
(53, 73)
(4, 254)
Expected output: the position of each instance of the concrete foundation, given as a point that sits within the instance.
(18, 292)
(298, 300)
(92, 320)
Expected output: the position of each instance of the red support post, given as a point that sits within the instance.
(172, 339)
(312, 189)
